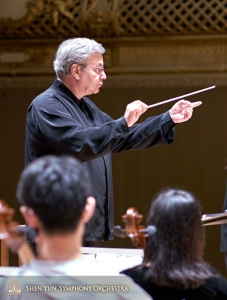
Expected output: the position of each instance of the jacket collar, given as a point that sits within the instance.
(60, 86)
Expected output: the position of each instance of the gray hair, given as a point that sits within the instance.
(74, 51)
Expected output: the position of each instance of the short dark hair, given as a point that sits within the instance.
(175, 252)
(56, 188)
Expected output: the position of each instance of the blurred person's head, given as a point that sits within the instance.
(54, 193)
(175, 252)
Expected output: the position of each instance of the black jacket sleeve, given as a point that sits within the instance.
(154, 131)
(57, 128)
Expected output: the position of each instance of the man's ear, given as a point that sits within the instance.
(30, 217)
(75, 71)
(89, 209)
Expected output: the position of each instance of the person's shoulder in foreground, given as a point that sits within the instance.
(214, 287)
(54, 194)
(173, 267)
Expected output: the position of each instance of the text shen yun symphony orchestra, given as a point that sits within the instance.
(77, 288)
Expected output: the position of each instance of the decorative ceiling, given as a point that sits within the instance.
(147, 42)
(116, 18)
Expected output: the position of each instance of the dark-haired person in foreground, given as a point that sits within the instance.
(54, 193)
(173, 267)
(62, 120)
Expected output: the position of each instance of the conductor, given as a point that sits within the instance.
(62, 120)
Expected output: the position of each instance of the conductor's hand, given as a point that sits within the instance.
(133, 111)
(182, 110)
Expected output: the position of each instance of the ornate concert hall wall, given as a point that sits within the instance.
(154, 52)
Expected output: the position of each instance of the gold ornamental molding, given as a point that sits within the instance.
(115, 18)
(148, 42)
(154, 55)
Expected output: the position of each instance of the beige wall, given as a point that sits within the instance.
(195, 161)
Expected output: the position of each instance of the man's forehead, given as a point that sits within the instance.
(95, 58)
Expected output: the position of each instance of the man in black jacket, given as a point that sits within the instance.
(63, 121)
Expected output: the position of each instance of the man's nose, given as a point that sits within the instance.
(103, 75)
